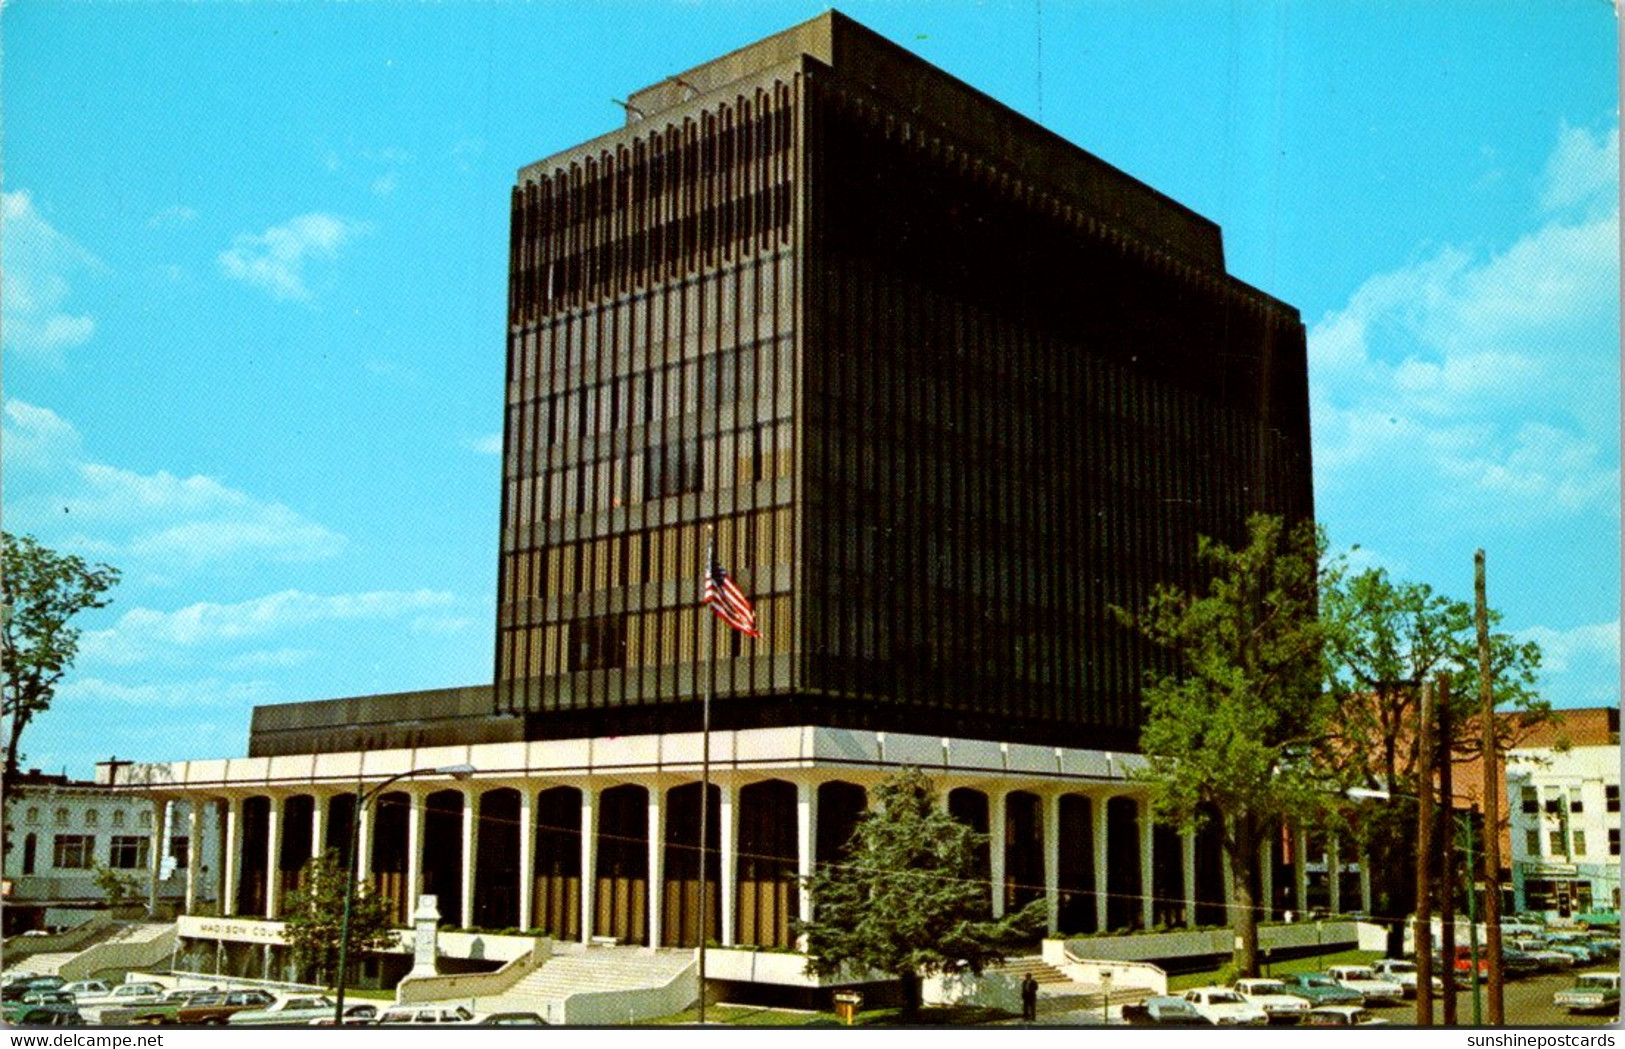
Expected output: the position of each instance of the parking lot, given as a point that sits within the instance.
(1528, 1002)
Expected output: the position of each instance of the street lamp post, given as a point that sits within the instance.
(362, 800)
(1359, 793)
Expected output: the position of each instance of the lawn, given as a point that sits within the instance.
(759, 1016)
(1313, 963)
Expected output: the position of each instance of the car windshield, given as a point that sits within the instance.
(1401, 967)
(1266, 988)
(1224, 998)
(1359, 974)
(1597, 981)
(1319, 981)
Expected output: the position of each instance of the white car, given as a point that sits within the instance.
(1225, 1007)
(1272, 996)
(86, 989)
(426, 1014)
(298, 1011)
(1592, 993)
(1364, 979)
(1341, 1016)
(1403, 972)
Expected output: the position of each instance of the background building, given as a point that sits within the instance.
(1563, 811)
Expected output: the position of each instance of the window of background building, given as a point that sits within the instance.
(61, 816)
(1576, 804)
(129, 852)
(1531, 842)
(672, 469)
(598, 644)
(73, 851)
(92, 817)
(33, 814)
(118, 818)
(1611, 793)
(1554, 806)
(181, 849)
(1613, 841)
(146, 818)
(1531, 800)
(1557, 844)
(1579, 842)
(30, 848)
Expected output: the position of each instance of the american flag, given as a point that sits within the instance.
(724, 596)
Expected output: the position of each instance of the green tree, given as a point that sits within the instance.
(117, 889)
(909, 896)
(42, 591)
(1384, 638)
(313, 917)
(1233, 724)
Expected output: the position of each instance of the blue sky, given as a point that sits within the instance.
(254, 287)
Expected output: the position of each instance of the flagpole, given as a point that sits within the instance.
(709, 663)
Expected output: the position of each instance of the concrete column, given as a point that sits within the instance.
(363, 843)
(231, 862)
(194, 851)
(1148, 880)
(1097, 813)
(657, 864)
(806, 843)
(1365, 882)
(155, 854)
(1334, 873)
(997, 846)
(273, 855)
(728, 845)
(1052, 863)
(414, 848)
(589, 859)
(1187, 863)
(471, 853)
(318, 824)
(527, 855)
(1300, 871)
(1266, 875)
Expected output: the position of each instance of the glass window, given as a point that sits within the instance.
(1531, 842)
(73, 851)
(598, 644)
(1579, 842)
(1554, 806)
(61, 816)
(180, 848)
(1611, 794)
(33, 814)
(92, 817)
(145, 819)
(118, 818)
(1557, 844)
(129, 852)
(1575, 804)
(1613, 841)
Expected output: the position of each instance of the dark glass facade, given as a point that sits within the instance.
(947, 388)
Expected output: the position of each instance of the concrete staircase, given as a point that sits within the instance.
(46, 964)
(140, 945)
(597, 971)
(1059, 993)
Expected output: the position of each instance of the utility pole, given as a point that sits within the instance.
(1447, 859)
(1422, 937)
(1492, 800)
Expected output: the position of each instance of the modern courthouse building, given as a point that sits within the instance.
(946, 388)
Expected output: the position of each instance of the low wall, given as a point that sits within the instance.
(1193, 946)
(603, 1008)
(993, 990)
(120, 954)
(476, 985)
(1142, 975)
(19, 948)
(774, 967)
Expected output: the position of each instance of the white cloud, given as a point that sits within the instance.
(1486, 382)
(205, 693)
(276, 259)
(144, 634)
(33, 297)
(1583, 170)
(1562, 650)
(490, 444)
(161, 521)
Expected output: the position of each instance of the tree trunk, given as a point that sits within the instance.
(1243, 849)
(911, 995)
(19, 721)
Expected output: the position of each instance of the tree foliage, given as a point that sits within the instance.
(910, 895)
(1232, 726)
(117, 889)
(42, 591)
(313, 917)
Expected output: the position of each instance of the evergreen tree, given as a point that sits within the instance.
(313, 917)
(910, 895)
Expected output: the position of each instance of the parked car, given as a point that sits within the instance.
(218, 1007)
(1341, 1016)
(85, 989)
(122, 994)
(1544, 957)
(1224, 1007)
(426, 1014)
(513, 1020)
(14, 991)
(1272, 996)
(1362, 978)
(1592, 993)
(1164, 1011)
(145, 1013)
(298, 1011)
(21, 1014)
(1320, 989)
(1403, 972)
(1515, 963)
(57, 997)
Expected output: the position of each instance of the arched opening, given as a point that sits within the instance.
(1123, 864)
(620, 900)
(340, 827)
(30, 851)
(969, 806)
(1077, 869)
(297, 813)
(1167, 877)
(442, 852)
(840, 806)
(682, 921)
(557, 891)
(496, 866)
(1023, 850)
(390, 813)
(255, 848)
(766, 883)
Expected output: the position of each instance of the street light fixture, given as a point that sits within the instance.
(362, 800)
(1364, 793)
